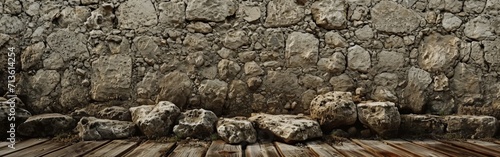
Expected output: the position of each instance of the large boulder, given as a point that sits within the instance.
(213, 94)
(381, 117)
(333, 109)
(289, 128)
(111, 77)
(155, 121)
(438, 53)
(414, 96)
(236, 130)
(115, 113)
(91, 128)
(198, 123)
(414, 124)
(44, 125)
(301, 50)
(176, 88)
(468, 126)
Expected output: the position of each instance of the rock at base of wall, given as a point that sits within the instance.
(155, 121)
(44, 125)
(381, 117)
(198, 123)
(115, 113)
(413, 124)
(289, 128)
(91, 128)
(236, 130)
(467, 126)
(333, 109)
(20, 116)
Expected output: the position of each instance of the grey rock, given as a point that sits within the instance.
(252, 69)
(479, 28)
(451, 22)
(146, 46)
(236, 39)
(111, 77)
(73, 17)
(199, 27)
(148, 85)
(301, 50)
(384, 94)
(438, 53)
(102, 18)
(172, 13)
(137, 13)
(414, 124)
(32, 55)
(381, 117)
(44, 125)
(198, 123)
(364, 33)
(358, 59)
(53, 62)
(333, 109)
(330, 14)
(335, 64)
(492, 6)
(282, 13)
(388, 16)
(115, 113)
(247, 56)
(311, 82)
(175, 87)
(289, 128)
(342, 83)
(44, 81)
(254, 83)
(275, 40)
(238, 99)
(73, 93)
(334, 40)
(7, 108)
(213, 95)
(236, 130)
(69, 44)
(155, 120)
(466, 83)
(473, 6)
(390, 61)
(91, 128)
(492, 53)
(251, 14)
(467, 126)
(196, 41)
(414, 93)
(11, 24)
(440, 83)
(210, 10)
(228, 69)
(12, 7)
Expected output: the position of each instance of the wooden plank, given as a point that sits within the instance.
(40, 149)
(4, 144)
(287, 150)
(414, 148)
(113, 148)
(323, 149)
(77, 149)
(497, 142)
(191, 149)
(21, 145)
(446, 148)
(261, 150)
(473, 147)
(378, 147)
(349, 149)
(219, 148)
(490, 145)
(151, 149)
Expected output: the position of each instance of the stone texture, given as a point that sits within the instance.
(438, 53)
(172, 13)
(7, 108)
(253, 69)
(330, 14)
(282, 13)
(388, 16)
(210, 10)
(32, 56)
(68, 44)
(175, 87)
(334, 39)
(492, 53)
(414, 124)
(115, 113)
(301, 49)
(11, 24)
(111, 77)
(479, 28)
(342, 83)
(358, 59)
(451, 22)
(137, 13)
(333, 109)
(289, 128)
(155, 120)
(466, 126)
(390, 61)
(381, 117)
(198, 123)
(213, 95)
(228, 69)
(236, 130)
(335, 64)
(235, 39)
(466, 84)
(44, 125)
(414, 93)
(91, 128)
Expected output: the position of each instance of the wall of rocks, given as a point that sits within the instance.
(236, 57)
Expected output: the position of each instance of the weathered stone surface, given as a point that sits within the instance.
(301, 49)
(68, 44)
(335, 64)
(199, 27)
(472, 6)
(414, 124)
(74, 92)
(73, 17)
(381, 117)
(149, 85)
(467, 126)
(311, 82)
(282, 13)
(44, 82)
(333, 109)
(146, 46)
(91, 128)
(364, 33)
(479, 28)
(137, 13)
(111, 77)
(115, 113)
(285, 88)
(7, 108)
(492, 53)
(239, 97)
(213, 95)
(388, 16)
(198, 123)
(330, 14)
(466, 83)
(253, 69)
(207, 10)
(390, 61)
(11, 24)
(172, 13)
(334, 40)
(289, 128)
(155, 121)
(342, 83)
(414, 92)
(236, 39)
(32, 55)
(46, 125)
(358, 59)
(451, 22)
(176, 88)
(195, 41)
(251, 13)
(228, 69)
(236, 130)
(438, 53)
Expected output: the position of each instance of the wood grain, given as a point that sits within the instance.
(191, 149)
(414, 148)
(323, 149)
(219, 148)
(349, 149)
(287, 150)
(473, 147)
(39, 149)
(378, 147)
(490, 145)
(261, 150)
(151, 149)
(113, 148)
(446, 148)
(4, 144)
(21, 145)
(77, 149)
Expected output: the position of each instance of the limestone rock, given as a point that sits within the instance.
(333, 109)
(172, 13)
(91, 128)
(155, 121)
(12, 7)
(342, 83)
(176, 88)
(238, 99)
(472, 6)
(32, 55)
(335, 64)
(438, 53)
(198, 123)
(137, 13)
(364, 33)
(236, 130)
(388, 16)
(252, 14)
(285, 88)
(467, 126)
(199, 27)
(111, 77)
(381, 117)
(213, 95)
(146, 46)
(289, 128)
(102, 18)
(301, 49)
(207, 10)
(382, 93)
(413, 94)
(440, 83)
(228, 69)
(330, 14)
(148, 86)
(11, 24)
(311, 81)
(479, 28)
(73, 17)
(73, 92)
(492, 53)
(46, 125)
(44, 82)
(390, 61)
(195, 41)
(466, 83)
(282, 13)
(253, 69)
(115, 113)
(236, 39)
(334, 40)
(451, 22)
(358, 59)
(414, 124)
(69, 44)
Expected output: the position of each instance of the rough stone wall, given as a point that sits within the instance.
(236, 57)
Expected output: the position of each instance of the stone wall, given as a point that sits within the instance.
(236, 57)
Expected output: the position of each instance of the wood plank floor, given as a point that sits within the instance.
(350, 148)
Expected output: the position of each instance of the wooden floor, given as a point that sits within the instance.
(352, 148)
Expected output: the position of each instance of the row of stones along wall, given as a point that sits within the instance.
(236, 57)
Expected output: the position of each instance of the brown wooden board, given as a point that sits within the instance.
(490, 145)
(414, 148)
(349, 149)
(77, 149)
(473, 147)
(287, 150)
(261, 150)
(446, 148)
(379, 147)
(4, 144)
(498, 142)
(21, 145)
(151, 149)
(219, 148)
(113, 148)
(191, 149)
(323, 149)
(39, 149)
